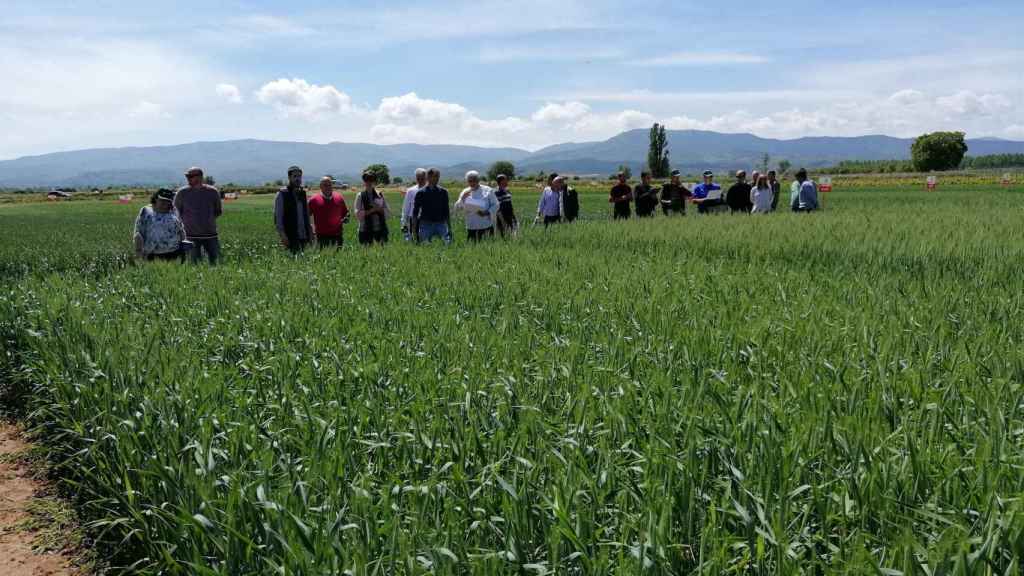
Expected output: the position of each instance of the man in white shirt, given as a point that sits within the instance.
(480, 206)
(409, 202)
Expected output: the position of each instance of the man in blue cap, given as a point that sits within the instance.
(707, 195)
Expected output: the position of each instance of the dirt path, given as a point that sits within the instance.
(19, 526)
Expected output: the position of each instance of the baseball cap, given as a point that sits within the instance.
(674, 173)
(708, 173)
(194, 171)
(293, 169)
(165, 194)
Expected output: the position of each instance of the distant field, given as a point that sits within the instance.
(828, 393)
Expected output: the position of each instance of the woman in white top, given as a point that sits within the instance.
(480, 206)
(761, 196)
(159, 232)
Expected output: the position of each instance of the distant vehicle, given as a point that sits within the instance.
(58, 195)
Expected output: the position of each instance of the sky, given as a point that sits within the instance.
(525, 73)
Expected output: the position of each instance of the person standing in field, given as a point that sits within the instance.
(646, 196)
(159, 232)
(549, 208)
(409, 201)
(620, 197)
(480, 206)
(738, 195)
(776, 187)
(570, 200)
(199, 206)
(674, 195)
(761, 196)
(372, 212)
(707, 195)
(328, 210)
(803, 193)
(431, 217)
(291, 213)
(507, 223)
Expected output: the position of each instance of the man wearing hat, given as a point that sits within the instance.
(291, 213)
(199, 206)
(674, 195)
(708, 194)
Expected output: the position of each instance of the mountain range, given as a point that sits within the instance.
(251, 162)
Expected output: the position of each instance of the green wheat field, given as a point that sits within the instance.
(840, 392)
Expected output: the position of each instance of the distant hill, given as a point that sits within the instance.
(694, 150)
(258, 161)
(239, 161)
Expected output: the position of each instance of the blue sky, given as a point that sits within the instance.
(527, 73)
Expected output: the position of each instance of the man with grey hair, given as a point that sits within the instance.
(480, 206)
(410, 201)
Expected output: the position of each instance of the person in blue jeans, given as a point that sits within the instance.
(199, 206)
(431, 215)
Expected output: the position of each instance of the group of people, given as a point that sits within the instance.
(183, 224)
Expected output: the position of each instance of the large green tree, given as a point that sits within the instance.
(938, 151)
(501, 167)
(657, 153)
(382, 173)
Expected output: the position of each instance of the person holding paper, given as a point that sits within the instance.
(480, 206)
(707, 195)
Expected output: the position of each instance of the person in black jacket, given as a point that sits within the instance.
(674, 195)
(776, 187)
(570, 200)
(620, 197)
(291, 213)
(738, 195)
(646, 196)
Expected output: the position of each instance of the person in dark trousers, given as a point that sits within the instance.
(570, 200)
(646, 196)
(707, 195)
(328, 210)
(549, 208)
(372, 212)
(159, 233)
(674, 195)
(776, 187)
(804, 193)
(507, 223)
(738, 195)
(620, 197)
(431, 216)
(291, 213)
(199, 206)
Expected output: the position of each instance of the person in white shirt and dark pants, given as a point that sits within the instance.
(480, 205)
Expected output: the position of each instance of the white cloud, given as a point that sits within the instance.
(552, 113)
(296, 97)
(146, 111)
(264, 25)
(411, 108)
(1014, 131)
(966, 102)
(907, 97)
(610, 124)
(229, 92)
(396, 134)
(702, 59)
(501, 52)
